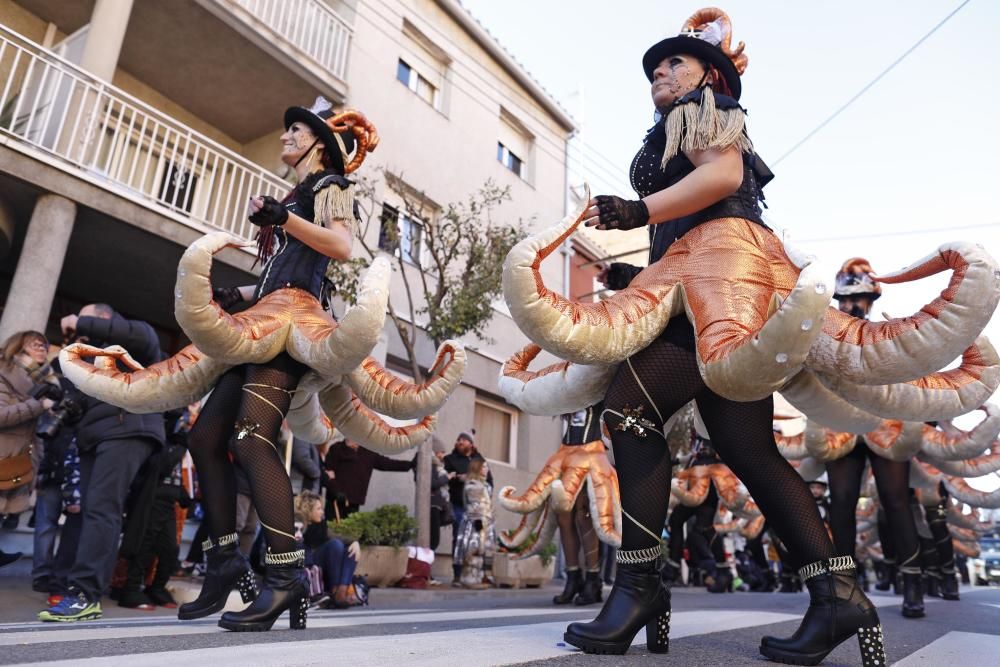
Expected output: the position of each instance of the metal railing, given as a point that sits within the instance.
(309, 25)
(95, 129)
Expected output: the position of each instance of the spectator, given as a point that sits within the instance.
(335, 560)
(20, 406)
(349, 472)
(305, 459)
(151, 532)
(457, 462)
(441, 512)
(113, 446)
(476, 541)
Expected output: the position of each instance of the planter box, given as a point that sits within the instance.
(528, 572)
(382, 566)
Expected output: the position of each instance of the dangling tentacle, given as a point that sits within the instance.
(966, 549)
(964, 534)
(808, 395)
(809, 468)
(173, 383)
(923, 475)
(732, 494)
(941, 395)
(539, 490)
(904, 349)
(394, 397)
(554, 390)
(792, 447)
(691, 486)
(603, 333)
(961, 491)
(957, 445)
(896, 440)
(956, 518)
(358, 423)
(605, 503)
(307, 420)
(826, 445)
(532, 534)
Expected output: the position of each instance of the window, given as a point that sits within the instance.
(496, 428)
(413, 80)
(401, 234)
(509, 160)
(514, 145)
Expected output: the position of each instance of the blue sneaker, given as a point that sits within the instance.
(72, 608)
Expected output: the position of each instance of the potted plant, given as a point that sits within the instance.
(511, 569)
(382, 534)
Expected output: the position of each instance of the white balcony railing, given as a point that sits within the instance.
(309, 25)
(102, 133)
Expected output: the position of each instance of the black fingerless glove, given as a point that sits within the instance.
(617, 213)
(272, 213)
(620, 275)
(227, 297)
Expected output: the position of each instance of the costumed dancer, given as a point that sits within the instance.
(257, 365)
(477, 539)
(576, 490)
(723, 316)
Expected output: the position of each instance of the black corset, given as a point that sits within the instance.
(583, 426)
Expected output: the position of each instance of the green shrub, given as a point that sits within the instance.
(389, 525)
(547, 553)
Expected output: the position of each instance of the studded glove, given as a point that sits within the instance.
(271, 213)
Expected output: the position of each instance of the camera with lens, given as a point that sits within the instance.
(67, 410)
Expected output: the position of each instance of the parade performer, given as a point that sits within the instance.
(576, 490)
(282, 356)
(723, 316)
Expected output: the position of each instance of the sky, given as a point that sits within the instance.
(911, 165)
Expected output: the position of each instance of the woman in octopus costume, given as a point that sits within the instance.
(282, 356)
(725, 317)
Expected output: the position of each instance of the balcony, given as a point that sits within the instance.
(56, 112)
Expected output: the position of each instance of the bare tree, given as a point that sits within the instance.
(450, 260)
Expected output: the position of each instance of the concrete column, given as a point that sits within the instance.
(105, 36)
(39, 266)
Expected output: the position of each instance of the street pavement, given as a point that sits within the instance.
(498, 627)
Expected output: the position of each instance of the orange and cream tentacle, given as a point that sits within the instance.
(557, 389)
(809, 468)
(966, 549)
(964, 534)
(540, 489)
(808, 395)
(940, 395)
(952, 444)
(532, 534)
(960, 490)
(904, 349)
(824, 444)
(896, 440)
(732, 494)
(792, 447)
(364, 133)
(173, 383)
(359, 423)
(394, 397)
(691, 486)
(307, 420)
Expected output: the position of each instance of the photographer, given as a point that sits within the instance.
(21, 355)
(113, 446)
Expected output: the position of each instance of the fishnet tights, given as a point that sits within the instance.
(892, 479)
(576, 529)
(230, 408)
(740, 432)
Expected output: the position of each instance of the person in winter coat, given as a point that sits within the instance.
(349, 471)
(113, 446)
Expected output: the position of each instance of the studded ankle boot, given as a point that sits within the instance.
(227, 569)
(284, 589)
(837, 611)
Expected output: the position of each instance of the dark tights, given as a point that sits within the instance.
(701, 538)
(892, 479)
(740, 432)
(249, 400)
(576, 530)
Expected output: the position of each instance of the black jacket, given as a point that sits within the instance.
(455, 462)
(102, 421)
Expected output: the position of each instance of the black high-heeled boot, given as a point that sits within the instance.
(591, 593)
(949, 584)
(227, 569)
(837, 610)
(639, 598)
(284, 590)
(933, 587)
(913, 595)
(574, 584)
(886, 575)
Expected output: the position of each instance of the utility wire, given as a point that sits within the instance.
(870, 84)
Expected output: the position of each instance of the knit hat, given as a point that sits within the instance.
(466, 436)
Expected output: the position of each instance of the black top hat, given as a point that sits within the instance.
(316, 119)
(706, 36)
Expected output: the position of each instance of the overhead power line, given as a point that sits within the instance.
(871, 83)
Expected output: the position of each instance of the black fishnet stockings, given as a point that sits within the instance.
(245, 411)
(740, 432)
(892, 479)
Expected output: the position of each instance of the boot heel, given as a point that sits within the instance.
(872, 646)
(658, 633)
(297, 613)
(247, 586)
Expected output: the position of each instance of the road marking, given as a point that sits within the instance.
(954, 648)
(480, 646)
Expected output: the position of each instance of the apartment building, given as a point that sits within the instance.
(130, 127)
